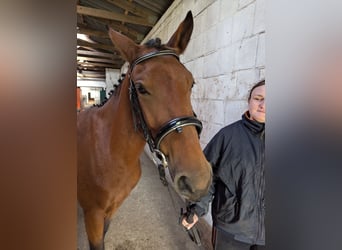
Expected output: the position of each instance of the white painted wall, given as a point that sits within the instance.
(112, 77)
(90, 83)
(93, 87)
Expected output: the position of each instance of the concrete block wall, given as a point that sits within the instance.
(226, 55)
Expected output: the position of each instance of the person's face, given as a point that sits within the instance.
(256, 105)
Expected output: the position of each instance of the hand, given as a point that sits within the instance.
(189, 225)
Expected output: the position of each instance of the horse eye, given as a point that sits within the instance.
(192, 85)
(141, 89)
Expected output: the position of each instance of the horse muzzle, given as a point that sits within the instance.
(191, 187)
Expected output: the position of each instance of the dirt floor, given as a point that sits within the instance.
(148, 219)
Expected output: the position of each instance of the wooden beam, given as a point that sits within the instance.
(93, 69)
(86, 65)
(95, 53)
(88, 72)
(90, 32)
(80, 19)
(136, 36)
(95, 59)
(134, 9)
(95, 45)
(113, 16)
(151, 5)
(132, 34)
(103, 76)
(88, 78)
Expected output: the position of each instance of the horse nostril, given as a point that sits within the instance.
(184, 184)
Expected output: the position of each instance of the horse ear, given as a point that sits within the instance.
(181, 37)
(127, 48)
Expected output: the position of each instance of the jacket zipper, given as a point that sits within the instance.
(260, 189)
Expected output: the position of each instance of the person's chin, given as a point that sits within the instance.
(261, 120)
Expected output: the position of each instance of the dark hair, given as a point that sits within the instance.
(258, 84)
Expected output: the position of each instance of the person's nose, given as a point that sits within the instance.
(262, 105)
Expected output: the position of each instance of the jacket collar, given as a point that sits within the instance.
(254, 126)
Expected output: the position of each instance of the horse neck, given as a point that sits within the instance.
(118, 110)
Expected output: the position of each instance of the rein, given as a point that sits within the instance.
(139, 121)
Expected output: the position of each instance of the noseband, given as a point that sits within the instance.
(175, 124)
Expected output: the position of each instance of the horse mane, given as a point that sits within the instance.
(113, 92)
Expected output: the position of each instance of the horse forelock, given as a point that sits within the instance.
(156, 43)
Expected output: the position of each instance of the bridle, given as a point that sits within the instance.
(175, 124)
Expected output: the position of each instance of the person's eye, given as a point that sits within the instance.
(259, 99)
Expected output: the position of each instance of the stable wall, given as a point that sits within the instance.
(112, 77)
(89, 92)
(226, 55)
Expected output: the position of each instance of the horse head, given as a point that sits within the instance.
(160, 93)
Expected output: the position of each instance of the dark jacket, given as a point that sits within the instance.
(237, 154)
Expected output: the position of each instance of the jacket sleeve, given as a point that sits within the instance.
(201, 207)
(213, 154)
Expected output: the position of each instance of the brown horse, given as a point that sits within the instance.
(151, 105)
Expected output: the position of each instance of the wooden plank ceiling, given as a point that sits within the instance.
(134, 18)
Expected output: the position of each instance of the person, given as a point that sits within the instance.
(237, 154)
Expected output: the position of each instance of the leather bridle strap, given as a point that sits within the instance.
(153, 54)
(138, 116)
(177, 124)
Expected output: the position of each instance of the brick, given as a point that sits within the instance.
(259, 20)
(233, 111)
(211, 65)
(228, 9)
(245, 79)
(226, 60)
(261, 53)
(244, 3)
(262, 73)
(212, 110)
(212, 16)
(246, 54)
(197, 70)
(224, 33)
(208, 132)
(243, 23)
(211, 44)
